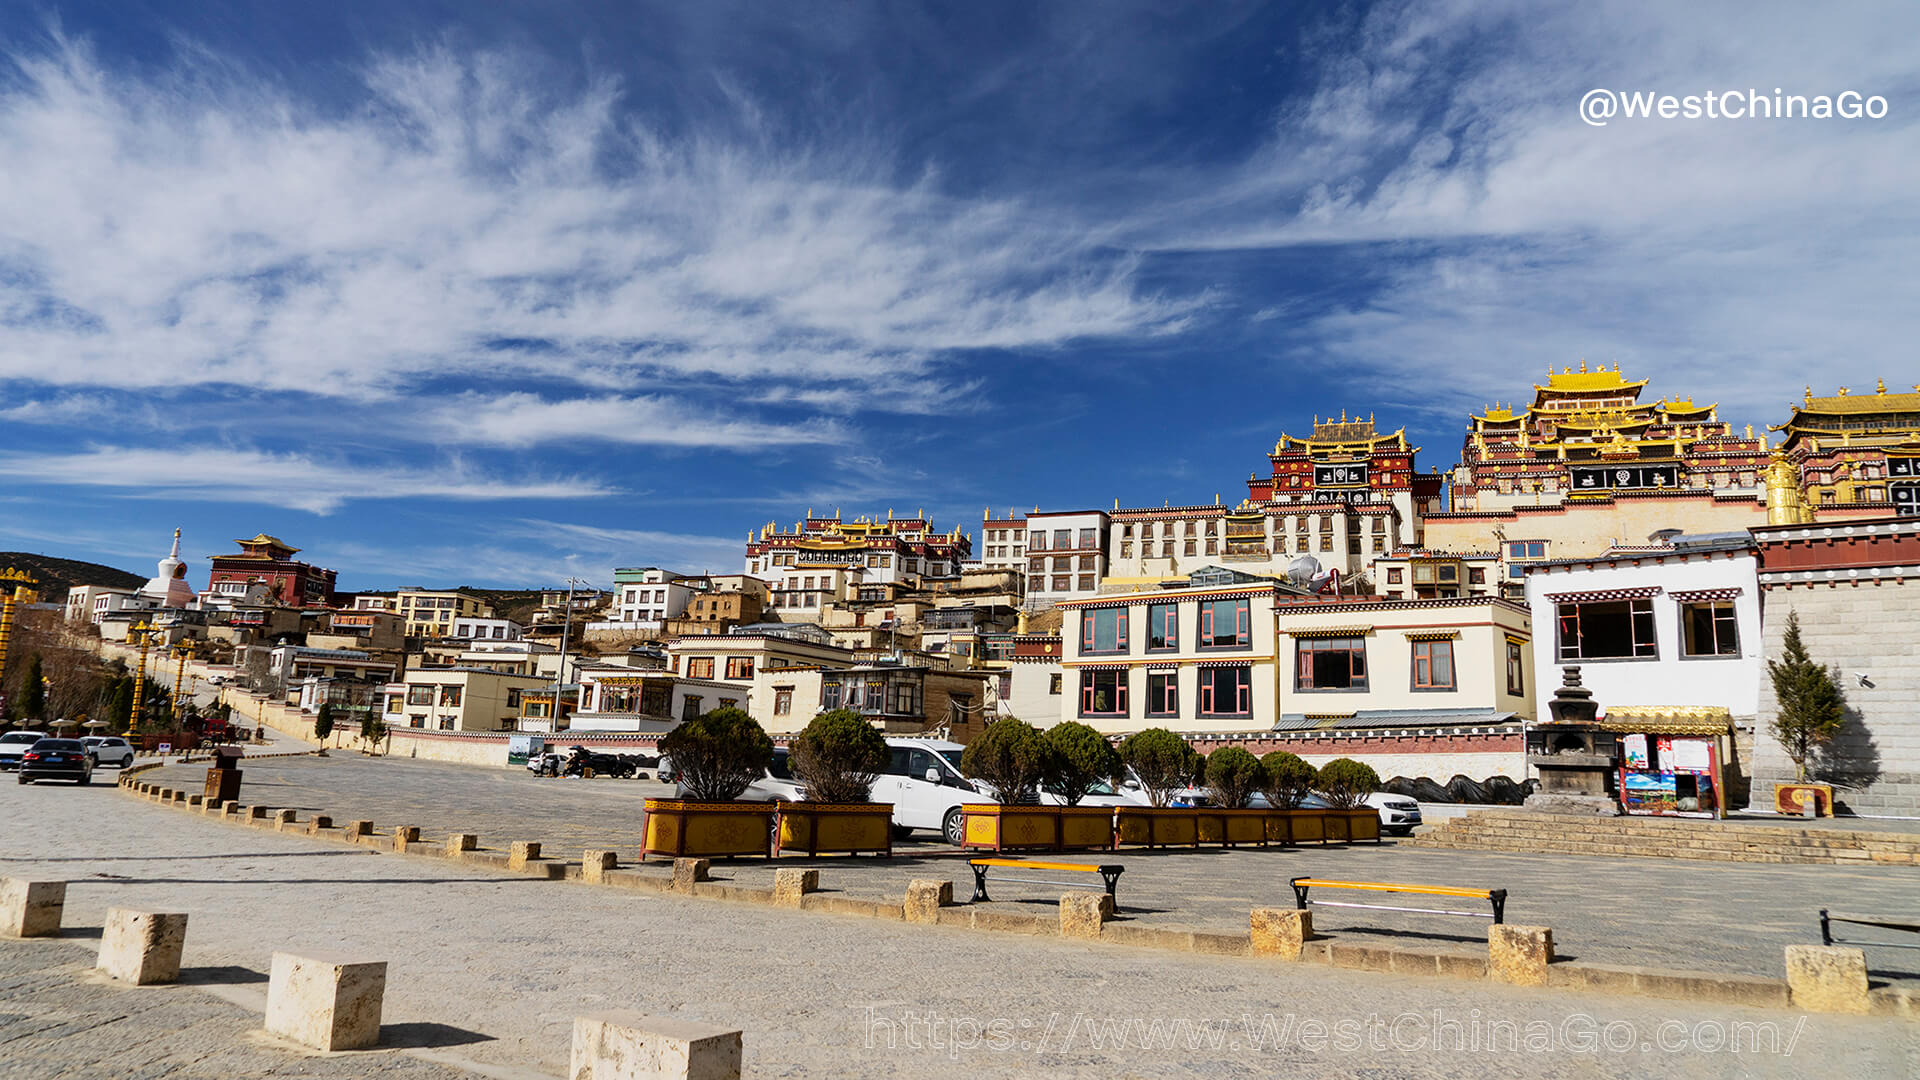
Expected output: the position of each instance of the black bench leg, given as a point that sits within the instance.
(1499, 898)
(1826, 928)
(1300, 897)
(1112, 878)
(979, 885)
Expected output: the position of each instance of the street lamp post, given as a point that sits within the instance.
(566, 632)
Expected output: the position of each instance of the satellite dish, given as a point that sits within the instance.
(1303, 570)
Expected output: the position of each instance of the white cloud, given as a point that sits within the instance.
(519, 420)
(297, 481)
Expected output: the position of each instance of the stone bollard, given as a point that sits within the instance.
(626, 1045)
(258, 813)
(282, 819)
(1082, 913)
(688, 871)
(213, 807)
(595, 862)
(196, 800)
(326, 1000)
(320, 822)
(925, 898)
(1281, 932)
(461, 841)
(31, 908)
(405, 836)
(142, 947)
(359, 828)
(522, 852)
(232, 810)
(1519, 954)
(792, 883)
(1827, 978)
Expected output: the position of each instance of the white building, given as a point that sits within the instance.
(646, 596)
(477, 629)
(91, 603)
(1066, 556)
(1673, 624)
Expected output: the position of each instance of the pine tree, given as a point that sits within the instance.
(33, 693)
(1812, 706)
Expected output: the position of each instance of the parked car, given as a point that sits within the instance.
(778, 784)
(14, 744)
(109, 750)
(56, 759)
(1398, 813)
(1127, 793)
(924, 784)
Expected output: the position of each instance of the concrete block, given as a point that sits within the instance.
(521, 852)
(1010, 922)
(328, 1001)
(359, 828)
(791, 883)
(1280, 932)
(259, 813)
(283, 820)
(461, 841)
(232, 810)
(1827, 978)
(688, 871)
(31, 908)
(1220, 944)
(1083, 913)
(195, 800)
(925, 898)
(626, 1045)
(405, 836)
(1519, 954)
(320, 822)
(142, 947)
(595, 862)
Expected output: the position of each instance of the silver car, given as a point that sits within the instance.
(14, 744)
(109, 750)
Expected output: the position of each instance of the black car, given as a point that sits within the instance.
(57, 759)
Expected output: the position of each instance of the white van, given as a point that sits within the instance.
(924, 784)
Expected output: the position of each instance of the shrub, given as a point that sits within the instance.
(1347, 783)
(323, 722)
(1285, 779)
(1012, 758)
(1161, 760)
(839, 756)
(717, 754)
(1232, 776)
(1083, 760)
(1812, 706)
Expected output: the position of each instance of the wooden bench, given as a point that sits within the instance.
(1109, 874)
(1902, 924)
(1498, 897)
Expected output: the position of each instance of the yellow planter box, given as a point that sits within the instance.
(1219, 825)
(678, 828)
(1279, 825)
(1156, 826)
(1363, 823)
(1307, 826)
(1086, 828)
(852, 828)
(1008, 828)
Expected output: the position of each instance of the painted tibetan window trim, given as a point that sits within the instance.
(1102, 667)
(1516, 639)
(1601, 596)
(1694, 596)
(1238, 661)
(1332, 631)
(1432, 635)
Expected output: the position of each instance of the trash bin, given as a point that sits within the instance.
(223, 780)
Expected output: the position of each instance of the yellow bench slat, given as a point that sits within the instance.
(1381, 886)
(1025, 864)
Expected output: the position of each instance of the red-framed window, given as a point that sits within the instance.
(1433, 665)
(1330, 664)
(1226, 624)
(1103, 630)
(1163, 694)
(1103, 693)
(1163, 627)
(1226, 691)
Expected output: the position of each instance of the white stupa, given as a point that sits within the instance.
(169, 586)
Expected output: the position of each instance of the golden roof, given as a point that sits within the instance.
(273, 541)
(1569, 381)
(1864, 403)
(1668, 719)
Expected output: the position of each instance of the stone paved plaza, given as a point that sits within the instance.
(1723, 917)
(487, 972)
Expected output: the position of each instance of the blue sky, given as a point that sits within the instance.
(495, 294)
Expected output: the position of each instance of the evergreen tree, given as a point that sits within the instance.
(33, 693)
(1812, 706)
(323, 722)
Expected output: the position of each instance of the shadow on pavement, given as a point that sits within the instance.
(220, 975)
(427, 1035)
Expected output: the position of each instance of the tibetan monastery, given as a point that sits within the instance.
(1589, 464)
(873, 550)
(1857, 452)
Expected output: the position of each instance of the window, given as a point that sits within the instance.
(450, 695)
(729, 703)
(1225, 624)
(1036, 566)
(1611, 630)
(513, 699)
(690, 708)
(1394, 575)
(1086, 582)
(1709, 629)
(1477, 575)
(1062, 582)
(417, 720)
(1191, 549)
(829, 696)
(1163, 694)
(1213, 547)
(1126, 549)
(1086, 538)
(1527, 549)
(1062, 539)
(1103, 630)
(1516, 670)
(1037, 542)
(446, 723)
(1433, 665)
(1163, 627)
(1330, 664)
(1166, 549)
(419, 695)
(699, 667)
(1226, 691)
(1103, 693)
(1053, 683)
(739, 667)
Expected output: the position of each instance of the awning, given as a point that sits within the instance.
(1330, 631)
(1667, 720)
(1603, 595)
(1432, 635)
(1697, 596)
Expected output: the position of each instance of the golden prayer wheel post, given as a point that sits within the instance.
(144, 632)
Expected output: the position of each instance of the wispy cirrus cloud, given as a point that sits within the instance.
(294, 480)
(522, 420)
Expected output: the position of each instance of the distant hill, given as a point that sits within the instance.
(516, 604)
(59, 575)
